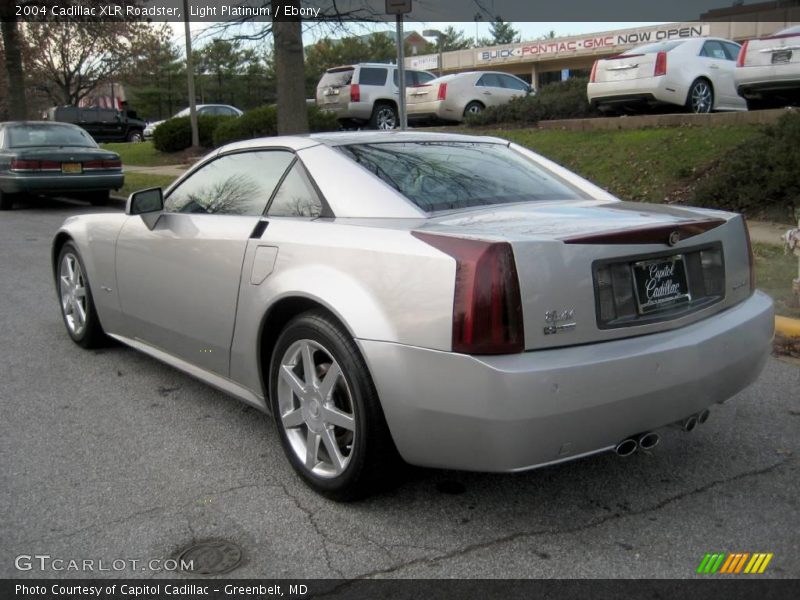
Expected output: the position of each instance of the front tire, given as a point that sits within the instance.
(700, 99)
(384, 117)
(327, 410)
(76, 300)
(135, 136)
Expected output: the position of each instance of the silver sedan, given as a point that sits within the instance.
(451, 301)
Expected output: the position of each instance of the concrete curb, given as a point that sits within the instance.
(787, 327)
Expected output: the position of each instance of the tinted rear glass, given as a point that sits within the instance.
(33, 135)
(658, 47)
(372, 76)
(450, 175)
(336, 78)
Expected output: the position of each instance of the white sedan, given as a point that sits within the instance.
(695, 73)
(768, 70)
(453, 97)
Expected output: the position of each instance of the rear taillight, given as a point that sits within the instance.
(24, 165)
(750, 256)
(742, 54)
(594, 72)
(96, 165)
(661, 64)
(355, 93)
(487, 307)
(442, 94)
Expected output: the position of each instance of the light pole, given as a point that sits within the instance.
(190, 76)
(439, 43)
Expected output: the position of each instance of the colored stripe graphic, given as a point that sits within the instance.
(733, 563)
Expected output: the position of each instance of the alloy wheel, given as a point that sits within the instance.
(72, 287)
(386, 118)
(702, 97)
(316, 408)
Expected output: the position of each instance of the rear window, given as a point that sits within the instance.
(654, 48)
(337, 78)
(34, 135)
(450, 175)
(372, 76)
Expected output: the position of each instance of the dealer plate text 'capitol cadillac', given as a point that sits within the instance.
(661, 283)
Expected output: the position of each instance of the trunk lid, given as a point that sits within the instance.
(775, 50)
(625, 67)
(333, 90)
(565, 251)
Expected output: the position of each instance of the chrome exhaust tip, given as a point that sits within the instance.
(688, 424)
(626, 447)
(703, 415)
(649, 440)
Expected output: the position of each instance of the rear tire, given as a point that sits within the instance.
(99, 198)
(6, 201)
(327, 410)
(700, 99)
(76, 300)
(474, 108)
(384, 117)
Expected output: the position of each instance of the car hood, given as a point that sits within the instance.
(154, 124)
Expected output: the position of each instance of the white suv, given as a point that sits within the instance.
(365, 93)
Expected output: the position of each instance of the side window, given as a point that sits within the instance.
(513, 83)
(372, 76)
(410, 78)
(424, 77)
(296, 197)
(713, 49)
(489, 80)
(236, 184)
(732, 50)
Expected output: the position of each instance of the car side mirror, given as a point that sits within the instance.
(148, 204)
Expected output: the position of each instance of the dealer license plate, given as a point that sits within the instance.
(781, 56)
(71, 168)
(661, 284)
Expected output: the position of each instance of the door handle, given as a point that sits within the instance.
(487, 93)
(714, 66)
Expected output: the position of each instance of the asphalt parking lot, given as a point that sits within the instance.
(111, 455)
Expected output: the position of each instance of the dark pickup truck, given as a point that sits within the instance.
(103, 124)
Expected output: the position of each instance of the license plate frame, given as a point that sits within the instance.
(781, 57)
(71, 168)
(660, 284)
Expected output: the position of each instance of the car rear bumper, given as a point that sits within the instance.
(433, 109)
(359, 111)
(751, 82)
(56, 183)
(649, 90)
(516, 412)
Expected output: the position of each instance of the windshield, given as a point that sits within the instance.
(449, 175)
(790, 31)
(47, 134)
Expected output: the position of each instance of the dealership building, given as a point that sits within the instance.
(543, 61)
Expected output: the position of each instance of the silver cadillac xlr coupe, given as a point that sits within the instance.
(454, 301)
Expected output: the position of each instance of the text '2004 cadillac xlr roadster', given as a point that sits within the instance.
(454, 301)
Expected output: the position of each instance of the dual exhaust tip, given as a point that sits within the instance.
(645, 441)
(650, 439)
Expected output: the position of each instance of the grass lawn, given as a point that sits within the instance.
(637, 164)
(142, 154)
(141, 181)
(774, 274)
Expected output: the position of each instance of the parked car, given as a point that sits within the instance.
(462, 301)
(40, 157)
(365, 93)
(453, 97)
(693, 73)
(224, 110)
(768, 73)
(103, 124)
